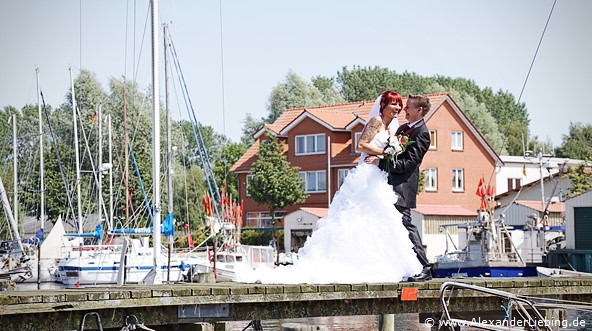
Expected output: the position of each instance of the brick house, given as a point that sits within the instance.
(321, 141)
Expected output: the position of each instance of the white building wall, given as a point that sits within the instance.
(298, 220)
(513, 166)
(582, 200)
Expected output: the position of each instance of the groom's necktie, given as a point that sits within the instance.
(404, 128)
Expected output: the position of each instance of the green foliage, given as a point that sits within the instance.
(365, 83)
(254, 237)
(230, 153)
(250, 127)
(296, 92)
(495, 115)
(189, 188)
(421, 182)
(481, 118)
(275, 183)
(577, 144)
(580, 179)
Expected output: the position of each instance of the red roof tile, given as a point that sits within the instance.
(319, 212)
(245, 162)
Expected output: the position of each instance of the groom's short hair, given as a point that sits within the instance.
(420, 100)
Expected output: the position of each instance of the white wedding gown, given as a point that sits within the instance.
(361, 240)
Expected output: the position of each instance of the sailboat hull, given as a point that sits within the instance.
(105, 270)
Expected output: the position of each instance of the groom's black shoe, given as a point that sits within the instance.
(426, 274)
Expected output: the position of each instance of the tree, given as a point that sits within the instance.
(329, 91)
(231, 152)
(481, 118)
(577, 144)
(250, 127)
(488, 111)
(296, 92)
(293, 92)
(365, 83)
(580, 180)
(274, 182)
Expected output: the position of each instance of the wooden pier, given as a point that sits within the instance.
(190, 304)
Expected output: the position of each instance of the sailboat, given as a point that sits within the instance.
(133, 260)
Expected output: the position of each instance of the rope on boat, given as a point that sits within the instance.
(201, 149)
(57, 152)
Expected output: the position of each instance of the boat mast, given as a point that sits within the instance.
(100, 162)
(8, 212)
(77, 155)
(169, 151)
(15, 174)
(41, 165)
(155, 144)
(110, 174)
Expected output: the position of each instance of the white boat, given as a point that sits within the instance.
(557, 272)
(227, 261)
(104, 266)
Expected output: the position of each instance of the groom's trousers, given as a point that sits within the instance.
(414, 236)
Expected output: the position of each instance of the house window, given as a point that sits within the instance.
(458, 180)
(457, 140)
(431, 179)
(263, 219)
(357, 136)
(314, 181)
(341, 174)
(249, 178)
(310, 144)
(514, 184)
(433, 139)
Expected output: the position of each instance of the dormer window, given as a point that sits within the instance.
(310, 144)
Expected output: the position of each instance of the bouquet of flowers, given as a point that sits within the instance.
(395, 145)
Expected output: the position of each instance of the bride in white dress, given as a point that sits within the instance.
(362, 239)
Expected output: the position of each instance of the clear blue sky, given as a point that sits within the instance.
(490, 42)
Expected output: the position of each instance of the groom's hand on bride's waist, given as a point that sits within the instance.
(372, 159)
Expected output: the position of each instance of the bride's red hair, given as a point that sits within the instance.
(388, 97)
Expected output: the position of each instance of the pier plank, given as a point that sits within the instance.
(184, 303)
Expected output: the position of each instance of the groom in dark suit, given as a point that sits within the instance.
(404, 174)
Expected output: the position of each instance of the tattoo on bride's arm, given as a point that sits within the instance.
(370, 130)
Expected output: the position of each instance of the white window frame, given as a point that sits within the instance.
(247, 185)
(341, 174)
(320, 181)
(317, 140)
(357, 136)
(431, 179)
(456, 141)
(458, 180)
(263, 219)
(433, 139)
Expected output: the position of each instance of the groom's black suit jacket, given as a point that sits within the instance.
(404, 175)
